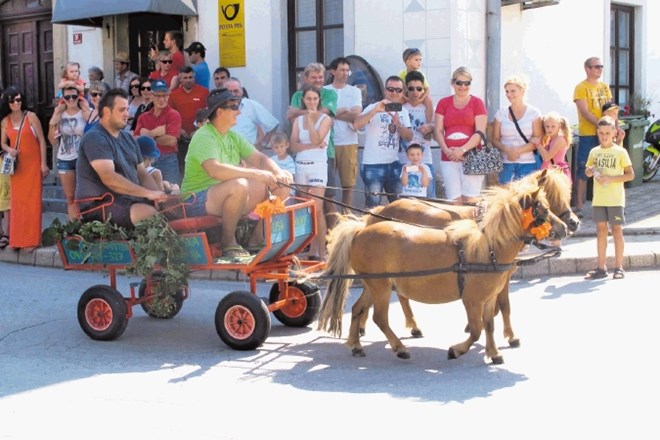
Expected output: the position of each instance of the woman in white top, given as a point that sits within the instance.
(135, 99)
(518, 153)
(310, 136)
(65, 130)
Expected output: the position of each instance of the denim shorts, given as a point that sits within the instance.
(66, 165)
(585, 145)
(516, 171)
(379, 177)
(197, 207)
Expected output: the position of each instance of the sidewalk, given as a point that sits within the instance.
(642, 236)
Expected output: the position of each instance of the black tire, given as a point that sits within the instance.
(242, 321)
(165, 306)
(102, 313)
(303, 305)
(648, 174)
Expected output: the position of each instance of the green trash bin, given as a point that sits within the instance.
(635, 126)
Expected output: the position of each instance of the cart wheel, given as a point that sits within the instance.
(242, 321)
(303, 304)
(161, 306)
(102, 313)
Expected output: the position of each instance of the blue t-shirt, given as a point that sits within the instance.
(202, 74)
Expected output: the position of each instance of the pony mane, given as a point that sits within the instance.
(556, 185)
(502, 222)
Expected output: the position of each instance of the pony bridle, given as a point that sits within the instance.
(535, 222)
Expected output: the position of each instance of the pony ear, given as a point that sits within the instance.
(527, 200)
(542, 176)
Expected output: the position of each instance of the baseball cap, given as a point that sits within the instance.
(148, 147)
(216, 98)
(159, 85)
(195, 46)
(410, 52)
(610, 105)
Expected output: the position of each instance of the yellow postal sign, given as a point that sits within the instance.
(231, 32)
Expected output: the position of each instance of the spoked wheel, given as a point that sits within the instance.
(649, 173)
(242, 321)
(163, 305)
(303, 303)
(102, 313)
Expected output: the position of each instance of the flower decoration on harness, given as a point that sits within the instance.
(536, 223)
(273, 205)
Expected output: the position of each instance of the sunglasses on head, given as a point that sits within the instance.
(412, 88)
(166, 61)
(17, 99)
(231, 107)
(95, 94)
(70, 97)
(145, 88)
(462, 83)
(394, 89)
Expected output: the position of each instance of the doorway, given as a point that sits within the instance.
(144, 31)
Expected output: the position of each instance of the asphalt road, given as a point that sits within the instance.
(586, 368)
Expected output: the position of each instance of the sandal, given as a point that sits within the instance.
(596, 274)
(235, 251)
(618, 274)
(4, 241)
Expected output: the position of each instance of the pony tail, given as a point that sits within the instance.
(566, 130)
(340, 241)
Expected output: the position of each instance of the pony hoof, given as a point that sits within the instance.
(363, 332)
(497, 360)
(403, 355)
(358, 352)
(416, 333)
(514, 342)
(451, 354)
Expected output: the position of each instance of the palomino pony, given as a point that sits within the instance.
(472, 261)
(557, 188)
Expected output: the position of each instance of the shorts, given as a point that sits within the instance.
(585, 145)
(610, 214)
(333, 179)
(346, 162)
(66, 165)
(119, 211)
(312, 173)
(378, 177)
(197, 207)
(458, 184)
(516, 171)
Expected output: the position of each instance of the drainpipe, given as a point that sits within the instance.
(493, 56)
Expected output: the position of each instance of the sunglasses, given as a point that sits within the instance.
(146, 88)
(70, 97)
(394, 89)
(135, 86)
(166, 61)
(412, 89)
(18, 99)
(231, 107)
(462, 83)
(596, 66)
(95, 94)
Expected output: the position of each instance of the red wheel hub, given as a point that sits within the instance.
(239, 322)
(98, 314)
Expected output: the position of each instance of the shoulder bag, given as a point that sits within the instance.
(483, 159)
(10, 162)
(522, 135)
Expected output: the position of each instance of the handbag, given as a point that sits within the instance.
(9, 162)
(482, 160)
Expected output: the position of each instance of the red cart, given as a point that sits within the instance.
(242, 319)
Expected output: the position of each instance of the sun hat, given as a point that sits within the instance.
(148, 147)
(216, 98)
(122, 57)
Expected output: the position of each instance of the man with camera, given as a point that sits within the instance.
(385, 123)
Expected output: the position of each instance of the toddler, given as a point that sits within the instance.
(415, 176)
(611, 109)
(556, 141)
(413, 60)
(279, 144)
(71, 73)
(150, 154)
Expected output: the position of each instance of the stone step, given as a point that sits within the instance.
(53, 198)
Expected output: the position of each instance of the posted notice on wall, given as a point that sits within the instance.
(231, 32)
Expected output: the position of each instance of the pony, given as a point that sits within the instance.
(557, 188)
(472, 261)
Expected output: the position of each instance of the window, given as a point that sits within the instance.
(316, 34)
(622, 53)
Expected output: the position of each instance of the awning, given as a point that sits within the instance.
(91, 12)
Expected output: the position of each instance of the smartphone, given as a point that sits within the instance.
(412, 168)
(393, 107)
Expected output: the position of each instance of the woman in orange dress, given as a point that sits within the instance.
(26, 182)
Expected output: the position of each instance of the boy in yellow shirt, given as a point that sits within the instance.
(610, 166)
